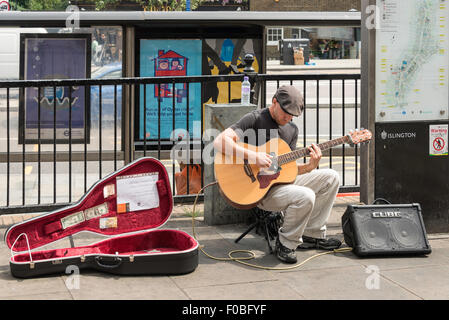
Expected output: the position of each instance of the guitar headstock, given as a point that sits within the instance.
(359, 136)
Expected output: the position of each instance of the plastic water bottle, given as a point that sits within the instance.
(246, 91)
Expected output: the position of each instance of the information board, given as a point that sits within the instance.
(412, 60)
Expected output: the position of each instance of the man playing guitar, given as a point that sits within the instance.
(307, 202)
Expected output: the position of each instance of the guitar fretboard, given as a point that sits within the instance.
(301, 153)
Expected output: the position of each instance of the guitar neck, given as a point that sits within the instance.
(303, 152)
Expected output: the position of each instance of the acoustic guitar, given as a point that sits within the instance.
(244, 185)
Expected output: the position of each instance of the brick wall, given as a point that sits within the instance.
(305, 5)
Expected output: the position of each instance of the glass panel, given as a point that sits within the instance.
(105, 50)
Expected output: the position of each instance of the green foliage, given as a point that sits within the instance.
(190, 213)
(47, 5)
(19, 4)
(151, 5)
(171, 5)
(105, 4)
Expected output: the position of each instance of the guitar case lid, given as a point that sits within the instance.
(92, 211)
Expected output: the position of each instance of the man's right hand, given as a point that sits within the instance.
(263, 160)
(226, 143)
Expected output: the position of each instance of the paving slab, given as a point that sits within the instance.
(258, 245)
(334, 276)
(221, 273)
(438, 242)
(12, 287)
(347, 283)
(439, 256)
(324, 262)
(261, 290)
(98, 286)
(44, 296)
(429, 283)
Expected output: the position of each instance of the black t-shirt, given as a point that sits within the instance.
(264, 128)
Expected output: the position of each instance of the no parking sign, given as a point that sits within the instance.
(438, 135)
(4, 6)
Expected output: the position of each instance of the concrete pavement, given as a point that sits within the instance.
(332, 276)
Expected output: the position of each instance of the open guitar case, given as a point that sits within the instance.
(135, 246)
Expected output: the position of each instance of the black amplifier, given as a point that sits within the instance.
(390, 229)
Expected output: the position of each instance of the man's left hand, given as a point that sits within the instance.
(315, 156)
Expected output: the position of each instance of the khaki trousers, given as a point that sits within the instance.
(306, 205)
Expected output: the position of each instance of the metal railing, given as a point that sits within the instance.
(316, 106)
(45, 174)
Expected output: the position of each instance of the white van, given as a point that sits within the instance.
(10, 50)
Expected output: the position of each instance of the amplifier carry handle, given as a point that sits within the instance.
(381, 199)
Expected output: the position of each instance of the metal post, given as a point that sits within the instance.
(251, 73)
(128, 96)
(367, 110)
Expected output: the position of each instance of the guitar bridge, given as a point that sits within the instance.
(249, 171)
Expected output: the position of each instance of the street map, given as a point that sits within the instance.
(412, 60)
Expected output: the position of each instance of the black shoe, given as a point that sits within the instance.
(283, 253)
(315, 243)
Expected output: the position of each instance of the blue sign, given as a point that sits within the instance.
(169, 58)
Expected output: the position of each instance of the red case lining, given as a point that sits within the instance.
(48, 228)
(162, 241)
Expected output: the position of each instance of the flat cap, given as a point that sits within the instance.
(290, 100)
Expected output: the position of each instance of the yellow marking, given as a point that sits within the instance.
(346, 168)
(338, 162)
(28, 169)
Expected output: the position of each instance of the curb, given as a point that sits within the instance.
(174, 222)
(8, 220)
